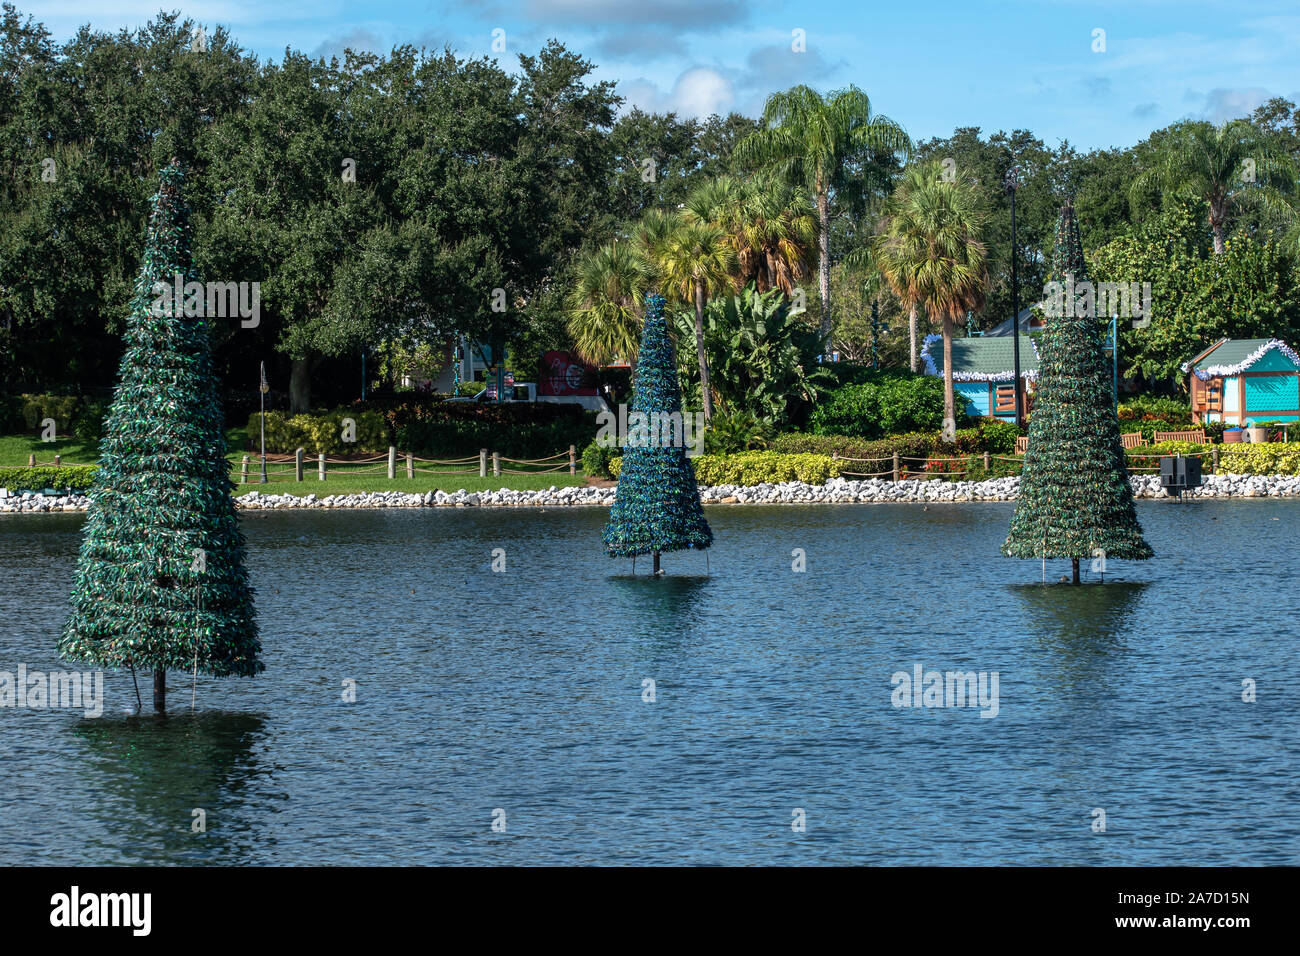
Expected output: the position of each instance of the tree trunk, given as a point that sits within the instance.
(160, 691)
(824, 268)
(1218, 215)
(911, 332)
(699, 351)
(1075, 564)
(949, 405)
(656, 567)
(300, 386)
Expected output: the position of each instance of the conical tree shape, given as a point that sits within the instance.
(657, 507)
(1075, 499)
(160, 582)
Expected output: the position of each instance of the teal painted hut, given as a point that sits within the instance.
(1240, 381)
(983, 368)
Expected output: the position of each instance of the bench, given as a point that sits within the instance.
(1197, 436)
(1022, 445)
(1132, 440)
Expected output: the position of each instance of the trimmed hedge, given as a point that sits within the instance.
(989, 435)
(1265, 458)
(69, 477)
(319, 433)
(72, 414)
(757, 467)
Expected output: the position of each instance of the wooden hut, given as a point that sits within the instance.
(983, 369)
(1240, 380)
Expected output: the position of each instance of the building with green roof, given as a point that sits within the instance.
(983, 368)
(1244, 381)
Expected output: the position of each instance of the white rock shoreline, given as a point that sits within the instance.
(836, 491)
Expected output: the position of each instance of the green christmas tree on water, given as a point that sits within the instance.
(160, 582)
(1075, 499)
(657, 506)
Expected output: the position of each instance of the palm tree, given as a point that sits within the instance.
(807, 138)
(931, 253)
(696, 261)
(604, 305)
(1224, 166)
(770, 224)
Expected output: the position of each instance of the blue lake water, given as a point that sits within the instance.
(523, 691)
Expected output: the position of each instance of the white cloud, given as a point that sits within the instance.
(699, 91)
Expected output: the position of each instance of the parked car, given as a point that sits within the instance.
(527, 392)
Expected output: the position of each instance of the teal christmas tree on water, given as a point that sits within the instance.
(160, 582)
(657, 506)
(1075, 500)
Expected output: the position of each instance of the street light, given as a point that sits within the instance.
(1011, 183)
(264, 388)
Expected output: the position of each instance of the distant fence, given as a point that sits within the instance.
(903, 467)
(295, 467)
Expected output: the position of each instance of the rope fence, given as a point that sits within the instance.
(281, 467)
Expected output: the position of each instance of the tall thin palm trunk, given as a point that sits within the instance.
(911, 333)
(699, 351)
(949, 404)
(1218, 216)
(824, 265)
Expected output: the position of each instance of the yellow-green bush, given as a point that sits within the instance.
(1265, 458)
(320, 433)
(757, 467)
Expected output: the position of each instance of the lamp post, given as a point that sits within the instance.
(264, 388)
(1011, 183)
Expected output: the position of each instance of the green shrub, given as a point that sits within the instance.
(320, 432)
(1265, 458)
(1155, 407)
(61, 408)
(757, 467)
(885, 403)
(998, 437)
(596, 460)
(439, 429)
(89, 423)
(739, 431)
(910, 445)
(69, 478)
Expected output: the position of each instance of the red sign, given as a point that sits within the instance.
(563, 373)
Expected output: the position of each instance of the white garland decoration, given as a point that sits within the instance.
(1215, 371)
(1007, 376)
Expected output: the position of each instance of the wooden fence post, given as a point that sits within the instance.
(392, 462)
(573, 460)
(58, 460)
(986, 461)
(896, 472)
(496, 463)
(321, 463)
(482, 462)
(297, 465)
(410, 464)
(31, 461)
(1214, 450)
(243, 471)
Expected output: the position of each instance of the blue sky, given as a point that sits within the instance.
(932, 65)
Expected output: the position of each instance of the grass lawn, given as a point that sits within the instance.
(340, 479)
